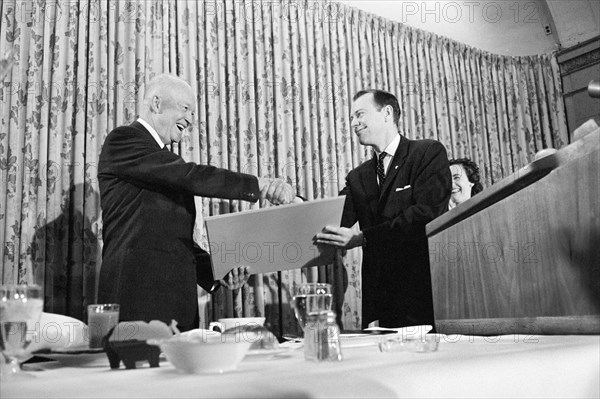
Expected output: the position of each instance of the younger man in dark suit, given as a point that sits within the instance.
(150, 265)
(393, 196)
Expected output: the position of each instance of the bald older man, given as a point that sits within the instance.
(150, 265)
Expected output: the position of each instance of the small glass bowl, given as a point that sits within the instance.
(428, 343)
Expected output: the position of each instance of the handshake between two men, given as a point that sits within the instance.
(276, 191)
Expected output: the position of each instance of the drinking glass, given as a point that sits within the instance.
(20, 309)
(311, 298)
(101, 318)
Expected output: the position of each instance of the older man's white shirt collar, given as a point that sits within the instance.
(152, 132)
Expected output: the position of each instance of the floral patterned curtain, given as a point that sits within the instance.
(274, 81)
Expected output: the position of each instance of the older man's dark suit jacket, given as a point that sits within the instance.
(396, 282)
(150, 265)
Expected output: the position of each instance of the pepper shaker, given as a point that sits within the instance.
(322, 337)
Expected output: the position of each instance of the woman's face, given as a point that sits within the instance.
(461, 186)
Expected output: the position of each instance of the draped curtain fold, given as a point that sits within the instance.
(274, 81)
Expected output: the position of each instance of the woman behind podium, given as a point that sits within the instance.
(465, 180)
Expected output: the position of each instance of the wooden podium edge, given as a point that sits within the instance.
(559, 325)
(505, 187)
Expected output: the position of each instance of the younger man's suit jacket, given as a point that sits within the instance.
(396, 281)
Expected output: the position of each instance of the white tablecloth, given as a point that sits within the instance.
(463, 366)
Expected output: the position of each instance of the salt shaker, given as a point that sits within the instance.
(322, 337)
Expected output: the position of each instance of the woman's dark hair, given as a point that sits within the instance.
(472, 173)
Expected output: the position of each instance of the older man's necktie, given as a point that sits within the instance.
(380, 168)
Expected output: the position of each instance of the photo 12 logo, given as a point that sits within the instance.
(469, 11)
(486, 252)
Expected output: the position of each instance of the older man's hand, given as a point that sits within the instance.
(276, 191)
(236, 278)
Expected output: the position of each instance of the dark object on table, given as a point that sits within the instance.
(127, 342)
(130, 352)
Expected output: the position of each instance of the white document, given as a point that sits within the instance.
(272, 239)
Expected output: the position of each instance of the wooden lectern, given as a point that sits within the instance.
(523, 256)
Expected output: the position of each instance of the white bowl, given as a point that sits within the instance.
(212, 354)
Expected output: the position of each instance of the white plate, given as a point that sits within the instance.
(412, 330)
(71, 350)
(76, 357)
(361, 340)
(267, 353)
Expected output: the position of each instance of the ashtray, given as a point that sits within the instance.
(427, 343)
